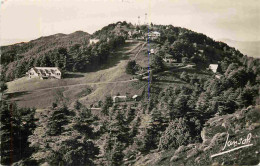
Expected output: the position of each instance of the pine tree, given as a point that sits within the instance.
(83, 123)
(119, 128)
(117, 154)
(177, 133)
(108, 103)
(57, 120)
(77, 105)
(7, 135)
(16, 126)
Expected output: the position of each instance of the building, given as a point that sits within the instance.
(136, 98)
(118, 25)
(217, 76)
(44, 72)
(154, 35)
(130, 34)
(119, 99)
(93, 41)
(213, 67)
(152, 51)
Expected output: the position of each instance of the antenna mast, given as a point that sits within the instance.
(145, 21)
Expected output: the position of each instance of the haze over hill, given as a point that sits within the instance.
(250, 48)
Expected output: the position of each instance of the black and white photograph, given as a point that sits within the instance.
(130, 83)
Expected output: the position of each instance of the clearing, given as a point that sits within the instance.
(88, 88)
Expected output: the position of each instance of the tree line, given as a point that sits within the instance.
(77, 58)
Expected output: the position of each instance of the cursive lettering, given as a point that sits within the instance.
(240, 141)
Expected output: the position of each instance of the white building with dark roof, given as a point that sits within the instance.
(44, 72)
(154, 35)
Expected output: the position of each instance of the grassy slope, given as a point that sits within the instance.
(106, 81)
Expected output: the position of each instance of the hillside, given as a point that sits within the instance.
(134, 99)
(250, 48)
(18, 58)
(214, 137)
(109, 80)
(42, 45)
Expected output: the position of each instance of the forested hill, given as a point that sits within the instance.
(73, 52)
(42, 45)
(183, 115)
(18, 54)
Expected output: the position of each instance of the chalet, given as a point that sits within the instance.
(213, 67)
(93, 41)
(44, 72)
(154, 35)
(119, 99)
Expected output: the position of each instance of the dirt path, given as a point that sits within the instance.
(89, 83)
(139, 50)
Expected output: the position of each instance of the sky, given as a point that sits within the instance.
(24, 20)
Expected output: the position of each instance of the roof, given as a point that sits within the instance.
(213, 66)
(48, 68)
(135, 96)
(119, 97)
(155, 32)
(43, 70)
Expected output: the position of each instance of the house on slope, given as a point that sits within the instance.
(136, 98)
(93, 41)
(44, 72)
(154, 35)
(218, 76)
(213, 67)
(117, 99)
(152, 51)
(130, 34)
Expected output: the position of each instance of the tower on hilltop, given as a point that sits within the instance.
(145, 19)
